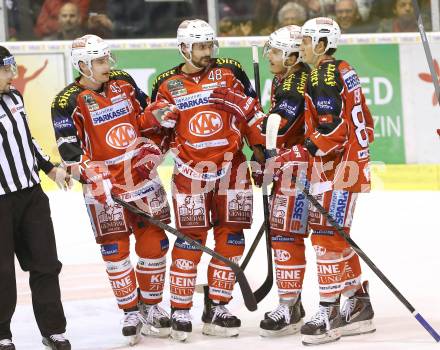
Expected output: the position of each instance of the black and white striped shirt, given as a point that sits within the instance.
(20, 155)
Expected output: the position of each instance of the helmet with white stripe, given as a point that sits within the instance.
(286, 39)
(86, 49)
(322, 27)
(195, 31)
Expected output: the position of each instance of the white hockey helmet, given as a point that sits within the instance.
(322, 27)
(287, 39)
(195, 31)
(86, 49)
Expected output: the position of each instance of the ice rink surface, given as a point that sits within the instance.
(399, 231)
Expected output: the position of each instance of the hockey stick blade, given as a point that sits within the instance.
(367, 260)
(248, 296)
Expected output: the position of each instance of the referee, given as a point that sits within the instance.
(25, 224)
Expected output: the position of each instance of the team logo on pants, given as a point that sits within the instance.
(110, 219)
(191, 209)
(278, 219)
(158, 204)
(239, 206)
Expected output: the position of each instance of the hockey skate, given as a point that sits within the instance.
(131, 327)
(156, 321)
(324, 326)
(217, 320)
(56, 342)
(7, 344)
(357, 313)
(284, 320)
(181, 325)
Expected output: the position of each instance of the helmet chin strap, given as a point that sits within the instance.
(90, 77)
(189, 60)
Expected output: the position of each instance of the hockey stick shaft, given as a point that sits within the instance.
(246, 290)
(247, 258)
(265, 288)
(427, 49)
(368, 261)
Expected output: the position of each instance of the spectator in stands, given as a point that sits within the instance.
(291, 13)
(69, 23)
(349, 19)
(98, 22)
(404, 19)
(47, 22)
(364, 9)
(265, 15)
(317, 8)
(141, 19)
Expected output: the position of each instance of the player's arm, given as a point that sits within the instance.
(289, 105)
(140, 96)
(369, 122)
(329, 132)
(240, 99)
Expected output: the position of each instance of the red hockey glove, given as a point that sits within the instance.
(294, 157)
(165, 113)
(101, 183)
(147, 161)
(235, 102)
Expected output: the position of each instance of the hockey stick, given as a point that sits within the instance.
(265, 288)
(200, 288)
(367, 260)
(427, 51)
(248, 296)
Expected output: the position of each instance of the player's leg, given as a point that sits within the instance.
(337, 269)
(111, 228)
(151, 248)
(192, 219)
(289, 211)
(218, 320)
(231, 206)
(356, 312)
(183, 274)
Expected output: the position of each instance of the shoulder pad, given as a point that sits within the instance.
(66, 99)
(328, 74)
(164, 76)
(121, 75)
(228, 62)
(314, 77)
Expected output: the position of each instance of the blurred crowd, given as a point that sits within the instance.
(68, 19)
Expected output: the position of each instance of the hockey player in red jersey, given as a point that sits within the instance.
(339, 129)
(102, 122)
(211, 184)
(289, 207)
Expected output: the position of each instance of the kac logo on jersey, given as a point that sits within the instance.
(121, 136)
(282, 255)
(184, 264)
(205, 123)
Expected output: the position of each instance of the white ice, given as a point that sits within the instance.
(399, 231)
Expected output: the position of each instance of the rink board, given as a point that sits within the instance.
(385, 177)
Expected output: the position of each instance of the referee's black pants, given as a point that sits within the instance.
(26, 229)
